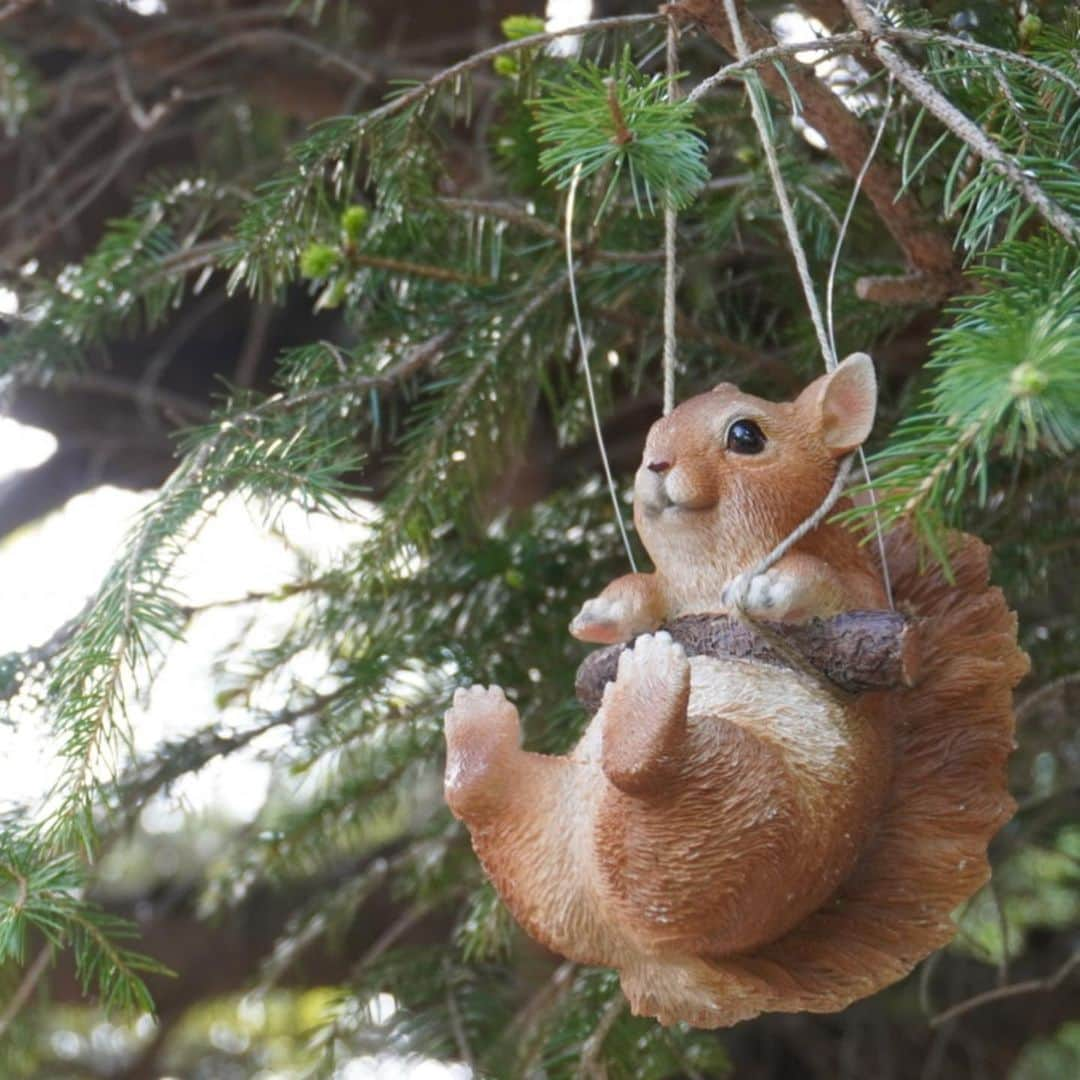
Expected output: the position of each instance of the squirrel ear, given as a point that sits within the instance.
(843, 402)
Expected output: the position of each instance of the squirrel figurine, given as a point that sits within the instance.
(727, 834)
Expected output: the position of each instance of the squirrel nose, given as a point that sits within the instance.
(659, 466)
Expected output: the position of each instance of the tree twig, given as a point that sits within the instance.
(518, 215)
(1029, 986)
(936, 37)
(927, 95)
(457, 1023)
(589, 1065)
(1039, 697)
(927, 249)
(26, 987)
(827, 45)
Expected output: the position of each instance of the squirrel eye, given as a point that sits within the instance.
(745, 437)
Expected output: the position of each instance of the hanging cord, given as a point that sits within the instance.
(568, 239)
(786, 212)
(825, 341)
(778, 643)
(846, 222)
(879, 532)
(670, 265)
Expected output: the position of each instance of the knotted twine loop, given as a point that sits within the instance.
(825, 341)
(782, 646)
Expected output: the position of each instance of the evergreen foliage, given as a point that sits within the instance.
(451, 362)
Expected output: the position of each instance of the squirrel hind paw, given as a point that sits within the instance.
(655, 659)
(482, 731)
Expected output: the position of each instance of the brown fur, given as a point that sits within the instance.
(725, 834)
(712, 514)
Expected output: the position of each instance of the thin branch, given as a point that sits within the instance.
(935, 37)
(529, 1020)
(398, 928)
(254, 344)
(403, 266)
(30, 979)
(42, 654)
(96, 382)
(209, 253)
(457, 1023)
(514, 214)
(420, 356)
(327, 57)
(590, 1065)
(927, 248)
(1037, 698)
(927, 95)
(463, 394)
(59, 163)
(827, 45)
(1029, 986)
(483, 58)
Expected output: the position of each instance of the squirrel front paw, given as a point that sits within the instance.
(771, 595)
(601, 621)
(482, 730)
(645, 713)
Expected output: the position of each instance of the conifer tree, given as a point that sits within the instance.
(931, 152)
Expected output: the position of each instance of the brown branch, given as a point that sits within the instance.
(1029, 986)
(206, 254)
(623, 134)
(927, 95)
(818, 46)
(927, 249)
(403, 266)
(857, 651)
(28, 983)
(184, 408)
(1037, 698)
(770, 363)
(590, 1065)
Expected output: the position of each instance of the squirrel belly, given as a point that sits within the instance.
(773, 797)
(711, 843)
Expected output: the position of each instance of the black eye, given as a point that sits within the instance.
(745, 437)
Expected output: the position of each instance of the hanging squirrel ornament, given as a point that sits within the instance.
(733, 834)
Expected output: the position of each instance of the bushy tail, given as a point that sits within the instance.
(954, 733)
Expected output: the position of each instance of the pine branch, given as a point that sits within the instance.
(1006, 382)
(520, 216)
(978, 48)
(598, 122)
(923, 91)
(926, 248)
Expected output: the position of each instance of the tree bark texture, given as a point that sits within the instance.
(858, 650)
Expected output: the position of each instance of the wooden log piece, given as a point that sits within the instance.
(857, 650)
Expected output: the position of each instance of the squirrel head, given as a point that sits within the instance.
(727, 475)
